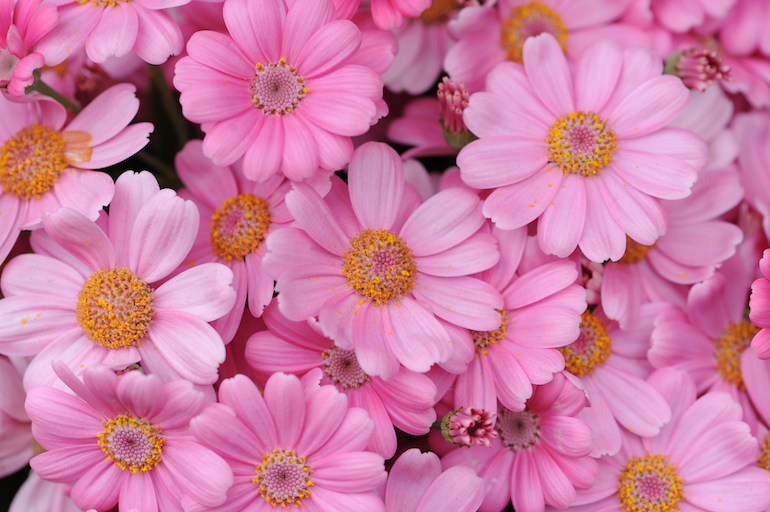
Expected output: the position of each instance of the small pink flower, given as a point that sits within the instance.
(125, 440)
(288, 97)
(91, 297)
(589, 157)
(468, 426)
(22, 24)
(379, 271)
(405, 401)
(45, 162)
(417, 484)
(760, 308)
(541, 454)
(297, 446)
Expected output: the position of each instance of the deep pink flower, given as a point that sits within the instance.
(705, 459)
(45, 161)
(125, 440)
(297, 446)
(586, 152)
(540, 455)
(387, 14)
(417, 484)
(113, 29)
(287, 97)
(405, 401)
(378, 270)
(91, 298)
(22, 24)
(759, 303)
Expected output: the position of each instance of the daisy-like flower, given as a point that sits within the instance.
(540, 455)
(298, 446)
(378, 270)
(45, 161)
(236, 218)
(417, 484)
(113, 28)
(91, 297)
(586, 152)
(405, 401)
(704, 460)
(125, 441)
(287, 97)
(22, 24)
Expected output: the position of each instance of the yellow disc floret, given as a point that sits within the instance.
(635, 252)
(581, 143)
(528, 21)
(482, 339)
(131, 443)
(650, 484)
(115, 308)
(283, 478)
(590, 350)
(32, 161)
(238, 227)
(730, 345)
(380, 266)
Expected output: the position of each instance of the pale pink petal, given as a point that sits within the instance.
(560, 228)
(558, 491)
(596, 74)
(215, 428)
(318, 220)
(324, 411)
(33, 274)
(458, 489)
(81, 237)
(675, 143)
(69, 463)
(718, 452)
(416, 338)
(242, 395)
(12, 214)
(539, 283)
(300, 156)
(302, 291)
(376, 184)
(257, 28)
(290, 247)
(158, 36)
(114, 35)
(349, 472)
(637, 214)
(384, 438)
(138, 493)
(302, 21)
(107, 114)
(259, 285)
(132, 139)
(746, 490)
(199, 472)
(339, 112)
(286, 401)
(132, 191)
(29, 325)
(517, 205)
(99, 487)
(496, 115)
(372, 338)
(500, 160)
(512, 386)
(331, 501)
(354, 434)
(649, 107)
(656, 175)
(463, 301)
(162, 235)
(526, 483)
(544, 326)
(85, 191)
(602, 238)
(204, 291)
(75, 24)
(546, 67)
(226, 141)
(433, 227)
(219, 51)
(475, 254)
(262, 159)
(211, 101)
(413, 471)
(328, 48)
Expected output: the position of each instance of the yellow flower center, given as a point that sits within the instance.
(439, 11)
(277, 88)
(650, 484)
(32, 161)
(131, 443)
(730, 345)
(581, 143)
(115, 308)
(635, 252)
(590, 350)
(482, 339)
(380, 266)
(283, 478)
(239, 226)
(527, 21)
(764, 453)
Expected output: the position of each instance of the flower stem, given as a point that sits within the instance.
(47, 90)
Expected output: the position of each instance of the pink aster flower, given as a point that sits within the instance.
(125, 441)
(113, 28)
(379, 271)
(94, 297)
(586, 152)
(388, 14)
(405, 401)
(704, 460)
(237, 216)
(541, 312)
(297, 446)
(541, 454)
(287, 97)
(15, 435)
(45, 161)
(417, 484)
(22, 24)
(490, 34)
(760, 308)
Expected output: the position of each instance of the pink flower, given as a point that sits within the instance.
(297, 446)
(590, 157)
(37, 493)
(759, 303)
(420, 126)
(125, 440)
(15, 434)
(45, 161)
(417, 484)
(405, 401)
(287, 97)
(237, 216)
(378, 270)
(387, 14)
(704, 460)
(113, 29)
(91, 298)
(22, 24)
(679, 16)
(541, 454)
